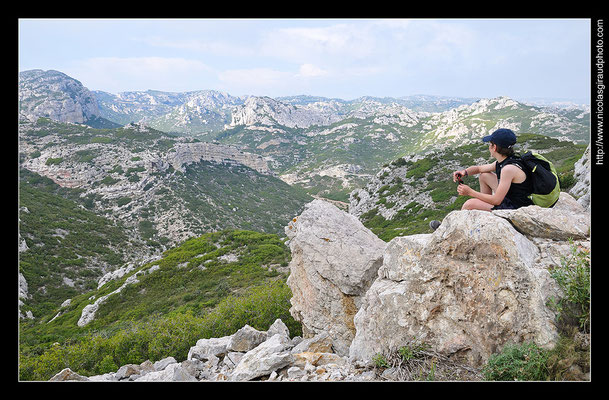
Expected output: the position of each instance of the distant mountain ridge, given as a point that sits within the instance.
(201, 110)
(327, 146)
(204, 110)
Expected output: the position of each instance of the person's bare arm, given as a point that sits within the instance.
(474, 170)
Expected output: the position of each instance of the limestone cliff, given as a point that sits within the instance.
(187, 153)
(54, 95)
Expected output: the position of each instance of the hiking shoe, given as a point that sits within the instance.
(434, 224)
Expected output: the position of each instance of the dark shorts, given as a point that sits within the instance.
(506, 204)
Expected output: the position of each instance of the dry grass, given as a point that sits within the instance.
(419, 363)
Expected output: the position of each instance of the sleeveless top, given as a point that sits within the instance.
(518, 193)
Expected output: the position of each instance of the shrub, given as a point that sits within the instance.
(123, 201)
(380, 361)
(259, 309)
(570, 358)
(525, 362)
(107, 365)
(573, 277)
(54, 161)
(411, 351)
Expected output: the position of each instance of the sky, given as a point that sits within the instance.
(336, 58)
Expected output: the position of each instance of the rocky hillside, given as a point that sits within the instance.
(94, 199)
(175, 187)
(334, 157)
(63, 246)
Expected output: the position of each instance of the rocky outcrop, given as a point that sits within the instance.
(23, 295)
(334, 261)
(268, 111)
(465, 289)
(88, 312)
(54, 95)
(187, 153)
(481, 280)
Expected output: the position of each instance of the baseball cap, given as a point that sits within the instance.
(501, 137)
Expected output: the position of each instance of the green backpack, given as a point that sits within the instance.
(546, 186)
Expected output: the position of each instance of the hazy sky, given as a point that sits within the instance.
(344, 58)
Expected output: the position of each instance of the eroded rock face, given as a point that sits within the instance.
(334, 261)
(479, 281)
(187, 153)
(66, 99)
(466, 289)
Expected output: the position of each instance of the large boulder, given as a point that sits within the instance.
(335, 259)
(174, 372)
(245, 339)
(566, 220)
(469, 288)
(204, 348)
(267, 357)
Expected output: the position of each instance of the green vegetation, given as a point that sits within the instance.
(209, 286)
(161, 336)
(85, 156)
(222, 196)
(570, 357)
(54, 161)
(525, 362)
(121, 201)
(573, 277)
(380, 361)
(419, 168)
(64, 240)
(109, 133)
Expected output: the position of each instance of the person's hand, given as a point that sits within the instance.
(458, 174)
(464, 190)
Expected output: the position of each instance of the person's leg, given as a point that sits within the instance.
(476, 204)
(488, 185)
(488, 182)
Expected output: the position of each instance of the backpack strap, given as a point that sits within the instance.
(515, 160)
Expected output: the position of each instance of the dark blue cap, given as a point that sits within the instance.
(501, 137)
